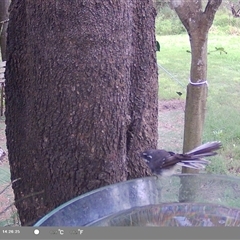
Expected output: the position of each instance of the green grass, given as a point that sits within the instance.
(223, 108)
(168, 23)
(4, 175)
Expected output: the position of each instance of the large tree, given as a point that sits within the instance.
(81, 97)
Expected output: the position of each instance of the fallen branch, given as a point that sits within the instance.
(9, 185)
(30, 195)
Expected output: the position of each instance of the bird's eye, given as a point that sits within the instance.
(147, 157)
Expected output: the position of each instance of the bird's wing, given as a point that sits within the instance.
(170, 161)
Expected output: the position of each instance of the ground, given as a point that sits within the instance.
(171, 116)
(7, 210)
(171, 124)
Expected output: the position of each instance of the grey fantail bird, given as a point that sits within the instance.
(163, 162)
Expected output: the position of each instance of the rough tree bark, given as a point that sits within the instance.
(4, 5)
(197, 23)
(81, 97)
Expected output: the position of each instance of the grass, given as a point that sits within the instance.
(168, 23)
(4, 175)
(222, 119)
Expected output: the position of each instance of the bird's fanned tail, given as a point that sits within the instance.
(195, 164)
(206, 148)
(194, 158)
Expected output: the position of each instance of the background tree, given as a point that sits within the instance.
(197, 23)
(4, 5)
(235, 10)
(81, 97)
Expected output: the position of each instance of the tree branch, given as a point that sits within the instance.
(186, 11)
(191, 14)
(2, 191)
(211, 9)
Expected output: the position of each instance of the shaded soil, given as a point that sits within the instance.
(169, 105)
(171, 124)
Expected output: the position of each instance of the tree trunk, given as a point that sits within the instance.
(197, 24)
(195, 107)
(4, 5)
(142, 132)
(81, 97)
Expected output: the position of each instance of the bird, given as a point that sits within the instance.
(162, 162)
